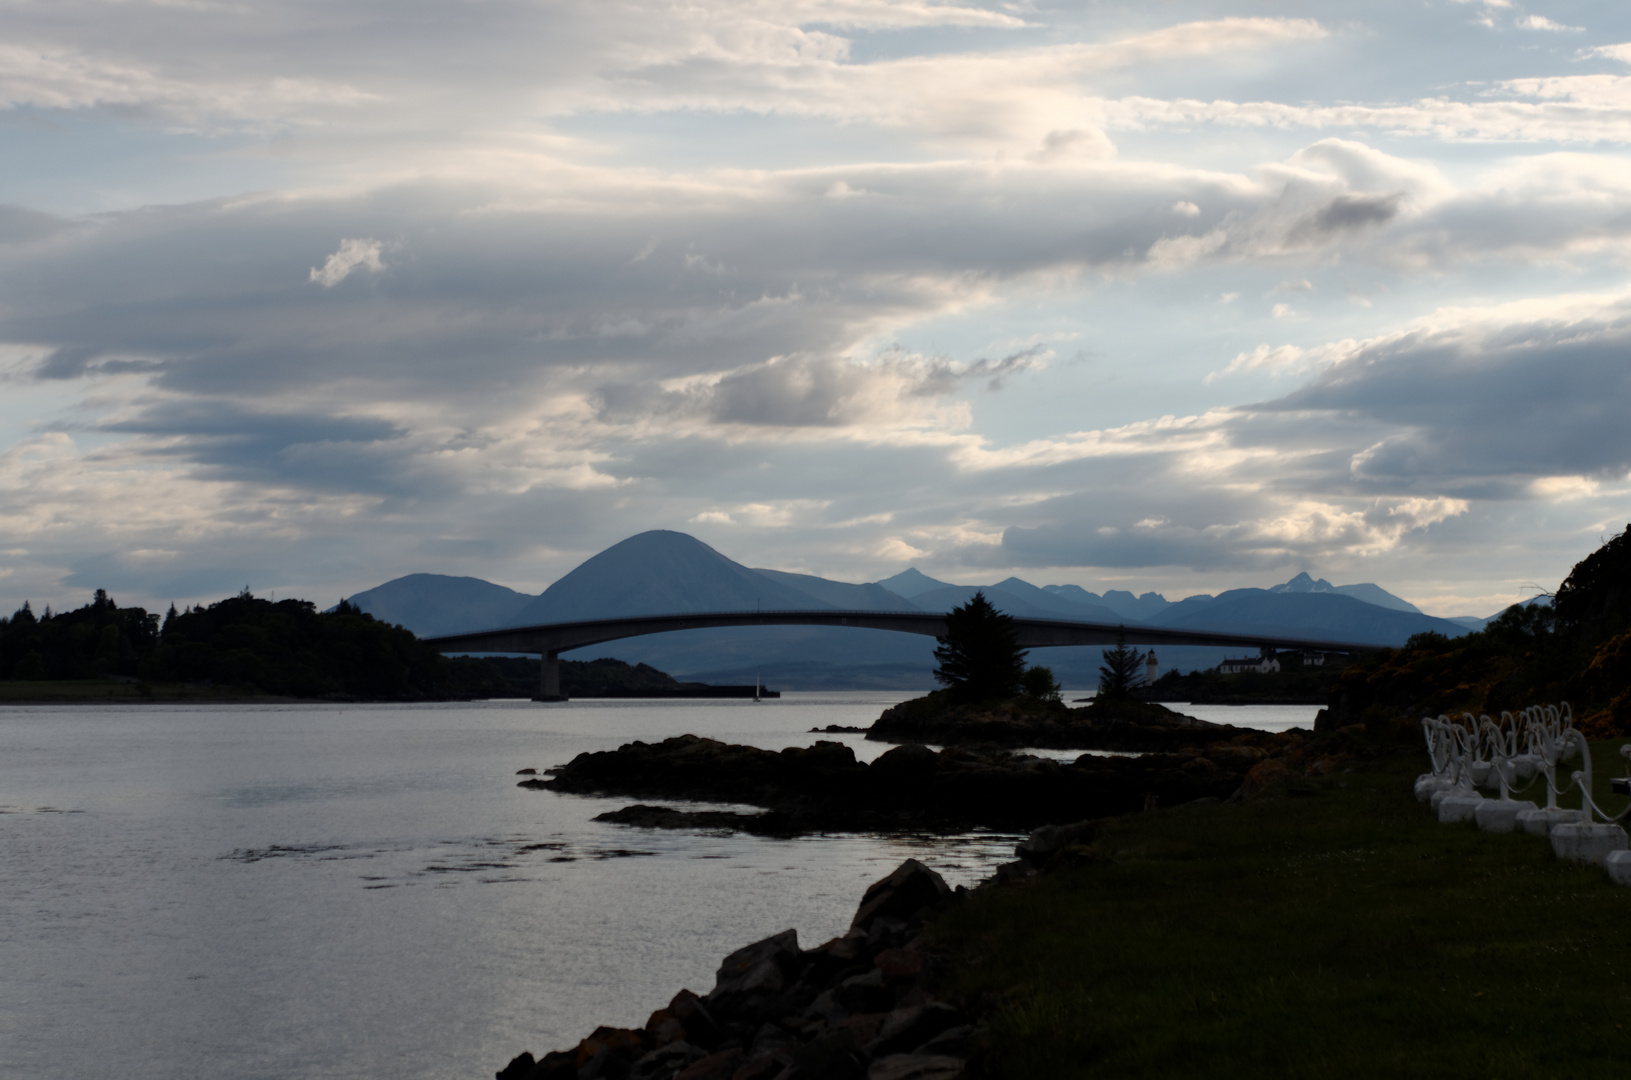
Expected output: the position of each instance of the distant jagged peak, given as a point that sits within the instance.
(1303, 582)
(912, 582)
(1365, 591)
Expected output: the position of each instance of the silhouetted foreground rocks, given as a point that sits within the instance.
(823, 788)
(860, 1006)
(1130, 726)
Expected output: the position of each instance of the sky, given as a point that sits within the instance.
(305, 295)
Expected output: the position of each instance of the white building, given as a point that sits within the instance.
(1152, 670)
(1260, 664)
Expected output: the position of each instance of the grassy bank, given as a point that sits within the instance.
(1341, 932)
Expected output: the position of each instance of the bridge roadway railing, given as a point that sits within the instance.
(549, 640)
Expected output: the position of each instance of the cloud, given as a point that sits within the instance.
(1541, 22)
(353, 255)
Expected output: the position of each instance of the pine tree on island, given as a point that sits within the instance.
(979, 658)
(1122, 672)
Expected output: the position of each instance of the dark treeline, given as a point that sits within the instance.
(285, 648)
(1575, 649)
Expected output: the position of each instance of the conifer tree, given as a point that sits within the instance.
(1122, 670)
(979, 655)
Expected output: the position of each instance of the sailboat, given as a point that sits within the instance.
(755, 684)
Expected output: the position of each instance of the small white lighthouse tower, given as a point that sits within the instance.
(1152, 669)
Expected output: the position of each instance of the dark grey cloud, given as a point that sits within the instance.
(1356, 211)
(1531, 399)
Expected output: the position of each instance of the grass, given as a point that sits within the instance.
(69, 691)
(1339, 933)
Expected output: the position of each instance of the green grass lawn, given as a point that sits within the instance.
(1342, 932)
(67, 691)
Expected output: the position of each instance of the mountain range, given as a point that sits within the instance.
(662, 572)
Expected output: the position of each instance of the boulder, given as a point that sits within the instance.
(1618, 865)
(1047, 841)
(953, 1042)
(716, 1066)
(759, 970)
(664, 1062)
(833, 1056)
(905, 1030)
(916, 1067)
(519, 1067)
(901, 895)
(912, 760)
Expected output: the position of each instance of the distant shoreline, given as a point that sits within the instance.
(109, 692)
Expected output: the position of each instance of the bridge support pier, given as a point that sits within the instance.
(549, 678)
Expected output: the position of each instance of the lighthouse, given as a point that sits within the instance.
(1152, 669)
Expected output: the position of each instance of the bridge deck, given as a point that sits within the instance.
(549, 640)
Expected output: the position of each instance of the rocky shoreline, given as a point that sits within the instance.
(911, 788)
(1124, 725)
(863, 1005)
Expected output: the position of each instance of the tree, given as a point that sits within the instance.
(1122, 671)
(979, 655)
(1039, 683)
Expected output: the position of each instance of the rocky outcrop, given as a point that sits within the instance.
(860, 1007)
(1121, 725)
(909, 788)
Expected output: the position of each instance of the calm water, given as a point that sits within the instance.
(307, 891)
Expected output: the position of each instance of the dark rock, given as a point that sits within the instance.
(901, 895)
(911, 760)
(764, 1067)
(907, 1029)
(952, 1042)
(720, 1065)
(833, 1056)
(898, 964)
(665, 1061)
(1047, 841)
(916, 1067)
(699, 1025)
(518, 1068)
(666, 817)
(759, 970)
(534, 783)
(610, 1053)
(865, 993)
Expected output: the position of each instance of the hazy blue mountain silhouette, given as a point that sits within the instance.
(1369, 593)
(1315, 615)
(841, 594)
(670, 572)
(1123, 603)
(661, 573)
(430, 604)
(912, 582)
(1005, 598)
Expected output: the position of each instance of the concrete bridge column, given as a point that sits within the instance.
(549, 678)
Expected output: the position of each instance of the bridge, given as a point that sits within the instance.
(549, 640)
